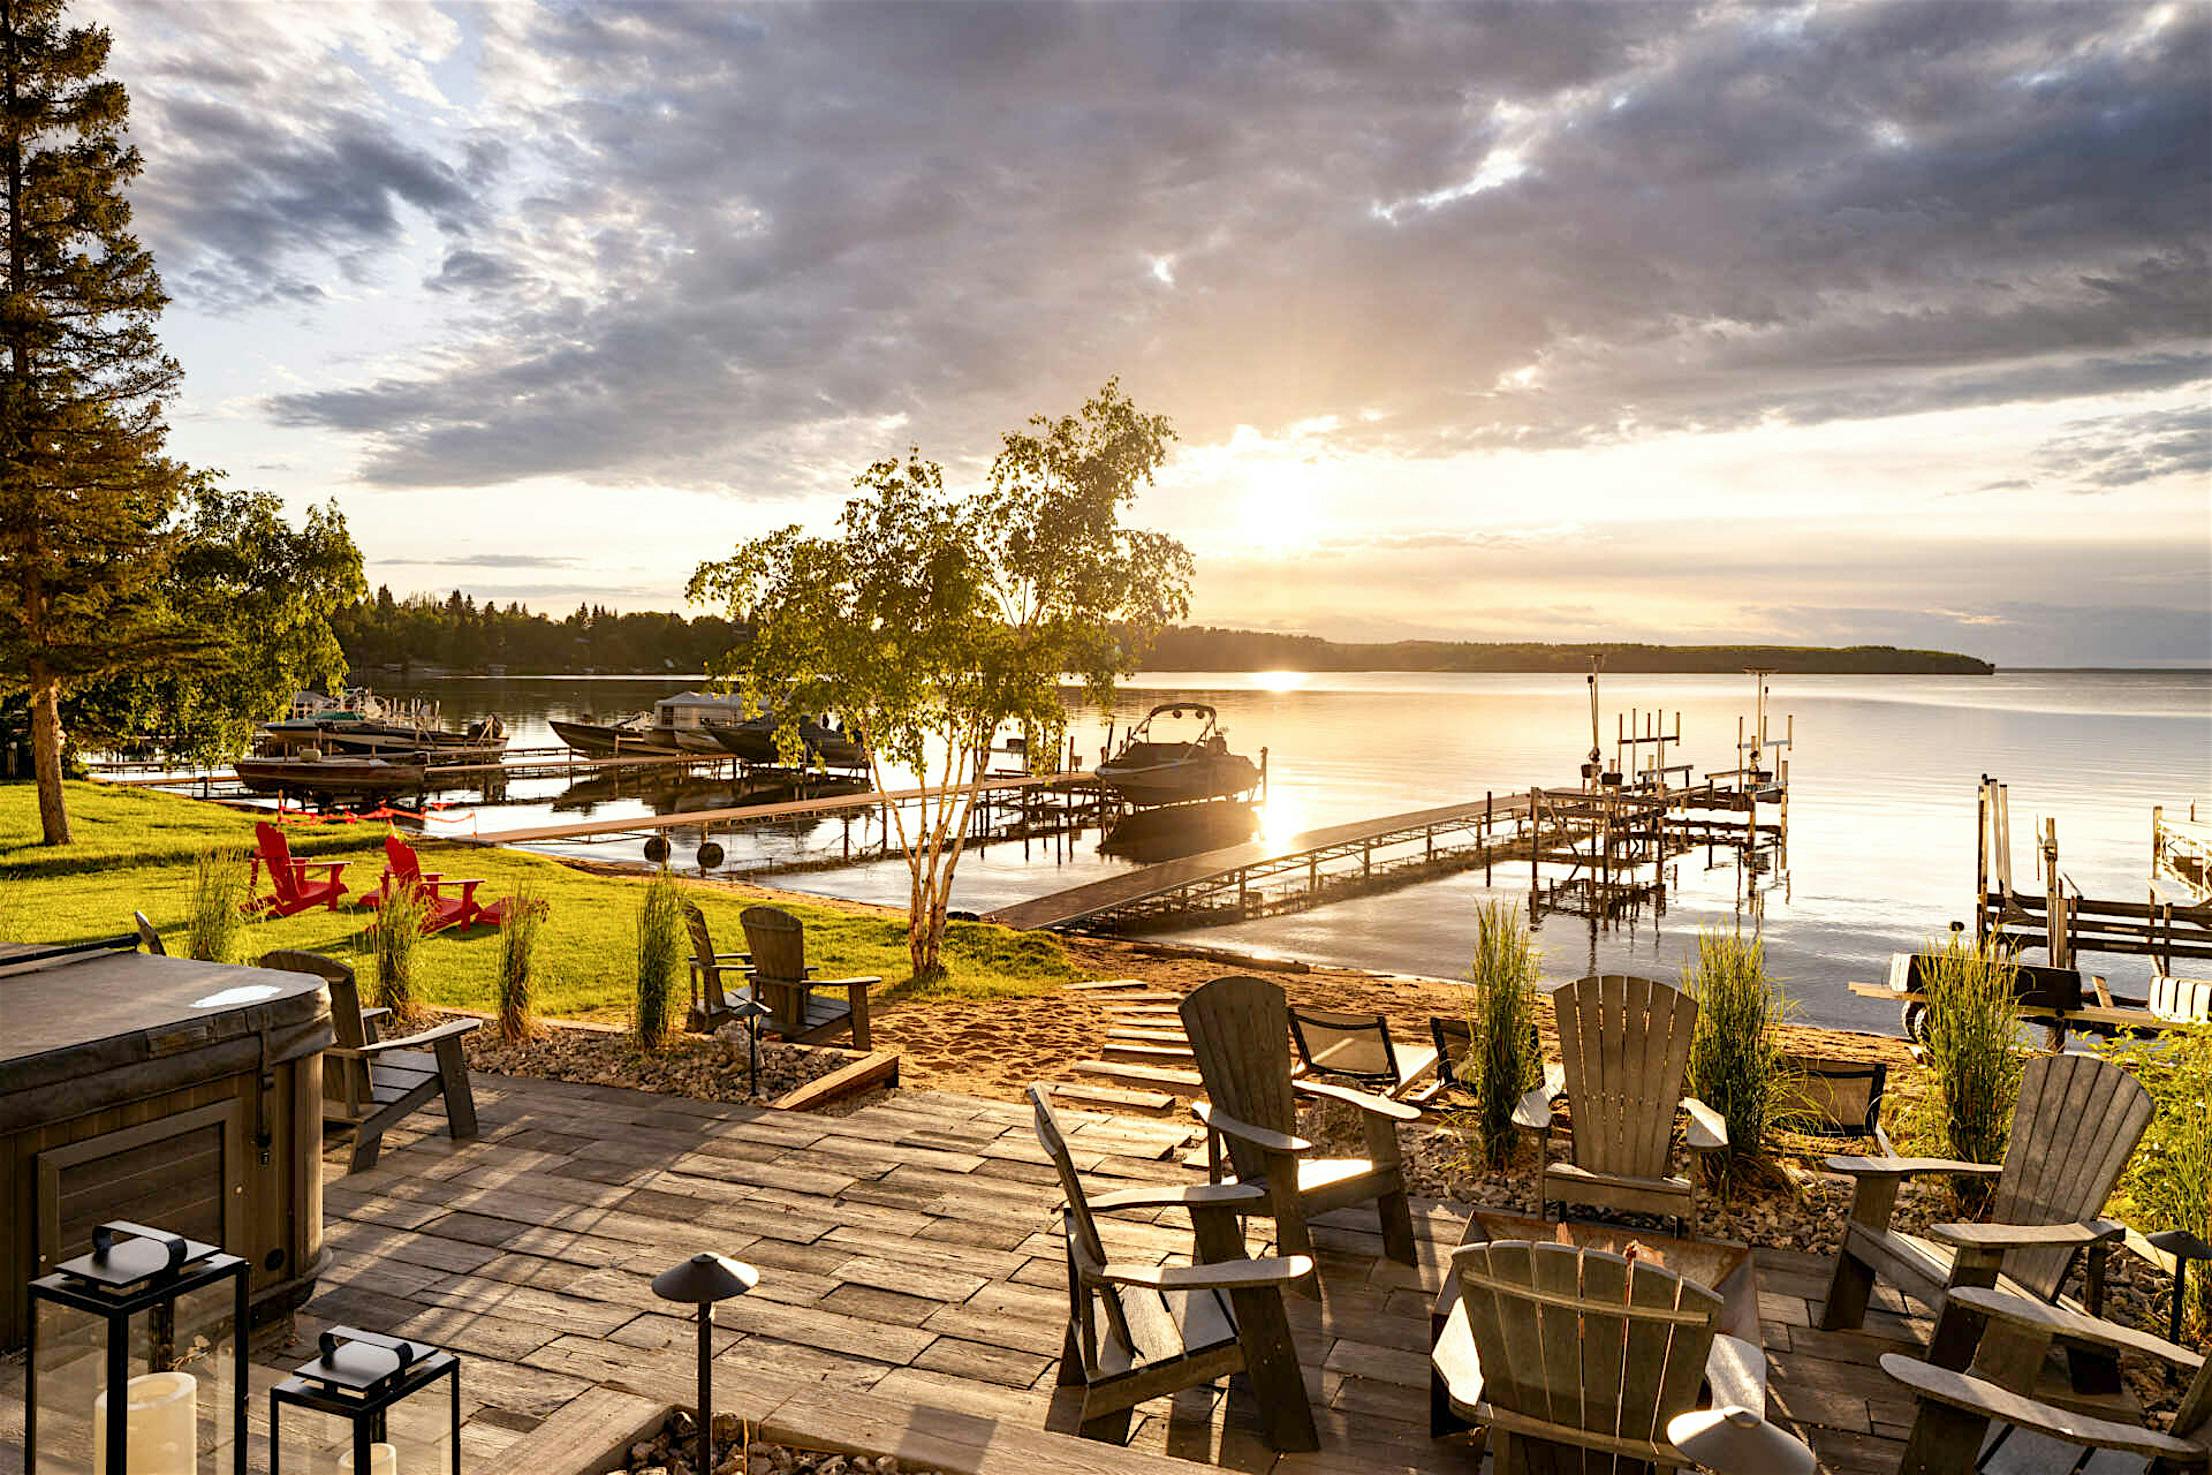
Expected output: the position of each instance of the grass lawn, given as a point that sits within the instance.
(136, 850)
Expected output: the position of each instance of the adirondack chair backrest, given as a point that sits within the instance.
(2077, 1123)
(400, 859)
(1585, 1340)
(1625, 1043)
(1239, 1030)
(702, 941)
(275, 853)
(345, 1013)
(1335, 1043)
(777, 941)
(1085, 1247)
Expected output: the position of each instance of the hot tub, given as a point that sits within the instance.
(161, 1091)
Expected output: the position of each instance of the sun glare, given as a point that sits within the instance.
(1278, 680)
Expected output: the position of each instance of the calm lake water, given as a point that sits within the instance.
(1881, 844)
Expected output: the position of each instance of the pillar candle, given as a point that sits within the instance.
(383, 1460)
(162, 1413)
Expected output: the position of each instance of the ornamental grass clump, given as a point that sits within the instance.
(518, 961)
(395, 946)
(1974, 1059)
(222, 884)
(659, 959)
(2168, 1183)
(1503, 1062)
(1737, 1064)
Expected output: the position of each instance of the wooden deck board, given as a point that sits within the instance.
(912, 1283)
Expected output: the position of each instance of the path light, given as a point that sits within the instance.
(1736, 1441)
(355, 1415)
(701, 1281)
(138, 1359)
(751, 1012)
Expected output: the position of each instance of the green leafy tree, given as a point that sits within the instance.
(257, 598)
(84, 487)
(929, 621)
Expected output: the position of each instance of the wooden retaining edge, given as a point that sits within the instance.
(1103, 983)
(1119, 1096)
(864, 1071)
(1143, 1075)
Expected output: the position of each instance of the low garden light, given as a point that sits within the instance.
(750, 1012)
(137, 1359)
(701, 1281)
(368, 1405)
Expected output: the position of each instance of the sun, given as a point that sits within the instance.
(1280, 513)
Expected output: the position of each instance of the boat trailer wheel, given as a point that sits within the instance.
(1914, 1018)
(656, 849)
(710, 855)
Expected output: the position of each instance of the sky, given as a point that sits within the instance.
(1689, 322)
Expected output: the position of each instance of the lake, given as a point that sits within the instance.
(1881, 842)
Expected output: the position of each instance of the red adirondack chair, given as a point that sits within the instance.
(294, 889)
(402, 867)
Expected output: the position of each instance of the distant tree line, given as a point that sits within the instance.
(1204, 648)
(456, 633)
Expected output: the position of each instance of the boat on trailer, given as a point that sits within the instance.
(310, 773)
(754, 741)
(1151, 770)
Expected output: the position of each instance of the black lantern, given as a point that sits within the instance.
(353, 1410)
(750, 1012)
(701, 1281)
(137, 1359)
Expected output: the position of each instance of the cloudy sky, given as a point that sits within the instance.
(1668, 321)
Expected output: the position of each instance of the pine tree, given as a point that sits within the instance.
(84, 487)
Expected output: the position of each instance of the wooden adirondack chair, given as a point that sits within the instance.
(2077, 1121)
(1167, 1328)
(402, 867)
(1239, 1031)
(291, 888)
(1957, 1408)
(1357, 1048)
(1559, 1350)
(369, 1084)
(782, 980)
(710, 1002)
(1624, 1043)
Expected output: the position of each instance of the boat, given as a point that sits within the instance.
(754, 741)
(1151, 771)
(485, 741)
(679, 726)
(628, 738)
(308, 772)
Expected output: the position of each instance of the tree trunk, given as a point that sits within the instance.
(53, 812)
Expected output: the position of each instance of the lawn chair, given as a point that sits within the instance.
(1167, 1328)
(1625, 1044)
(148, 938)
(1357, 1048)
(782, 980)
(1239, 1031)
(291, 889)
(1838, 1098)
(2077, 1121)
(1455, 1045)
(402, 867)
(1957, 1408)
(710, 1003)
(1558, 1349)
(370, 1084)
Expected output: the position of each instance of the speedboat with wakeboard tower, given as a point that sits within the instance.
(1153, 770)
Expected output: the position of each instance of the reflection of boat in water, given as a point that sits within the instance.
(680, 792)
(1176, 830)
(307, 772)
(1152, 771)
(754, 741)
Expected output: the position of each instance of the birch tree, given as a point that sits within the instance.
(928, 620)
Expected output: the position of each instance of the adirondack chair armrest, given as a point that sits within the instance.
(869, 980)
(1381, 1106)
(1909, 1167)
(1707, 1130)
(1218, 1121)
(2057, 1321)
(2026, 1236)
(1225, 1275)
(1736, 1373)
(302, 867)
(1533, 1112)
(419, 1041)
(1189, 1196)
(1980, 1397)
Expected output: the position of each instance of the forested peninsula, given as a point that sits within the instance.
(426, 635)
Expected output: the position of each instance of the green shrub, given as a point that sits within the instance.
(395, 944)
(1737, 1064)
(2168, 1183)
(659, 958)
(222, 884)
(1974, 1058)
(1503, 1062)
(518, 959)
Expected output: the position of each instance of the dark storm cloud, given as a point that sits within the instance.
(734, 241)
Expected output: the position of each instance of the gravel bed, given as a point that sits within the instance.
(673, 1450)
(706, 1068)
